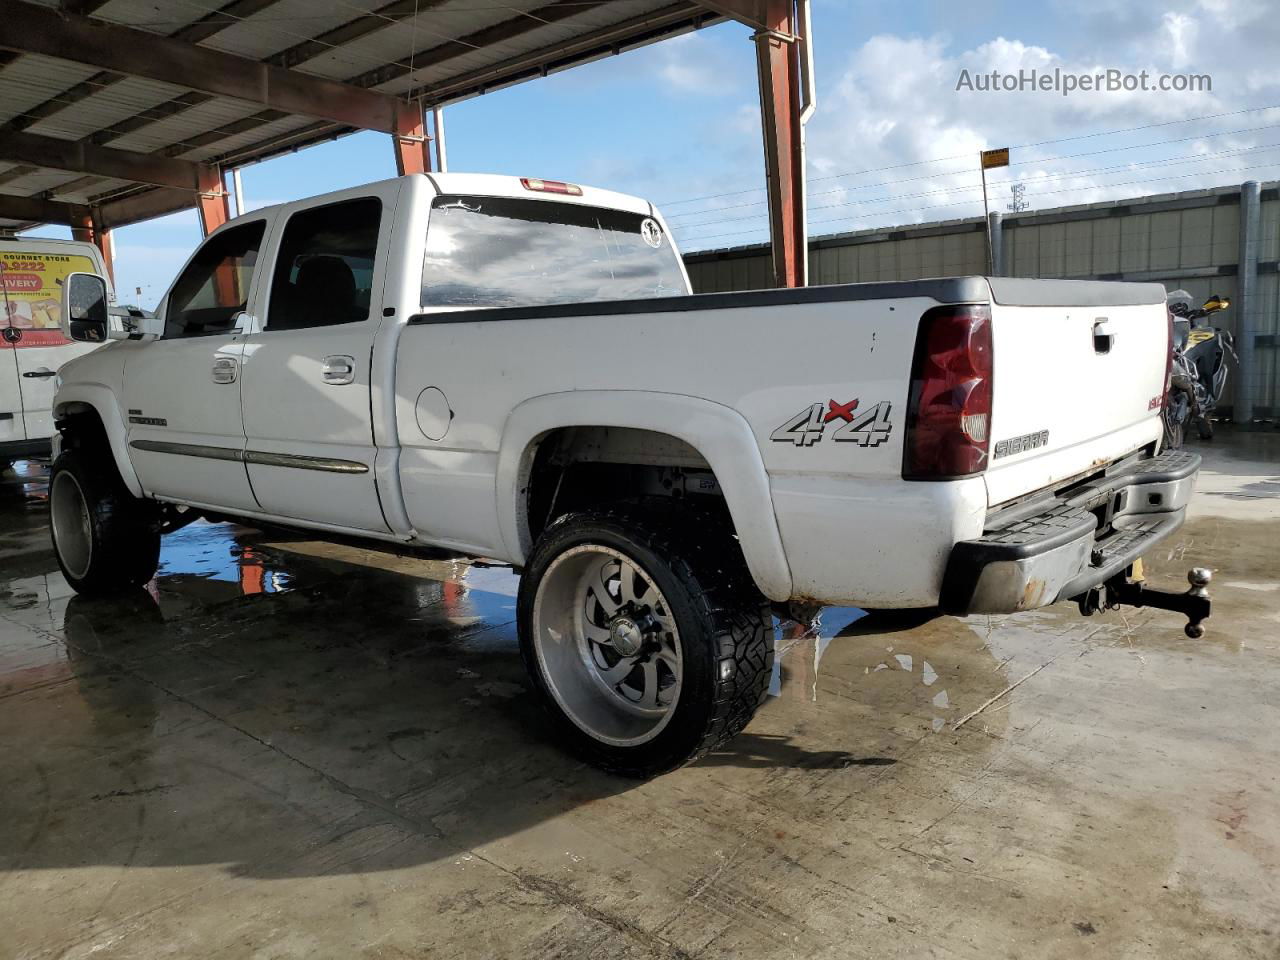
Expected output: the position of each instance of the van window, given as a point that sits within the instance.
(324, 270)
(215, 285)
(499, 252)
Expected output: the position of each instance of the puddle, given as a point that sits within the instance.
(211, 551)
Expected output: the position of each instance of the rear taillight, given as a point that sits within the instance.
(949, 410)
(1168, 363)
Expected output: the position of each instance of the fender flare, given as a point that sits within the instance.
(720, 434)
(103, 402)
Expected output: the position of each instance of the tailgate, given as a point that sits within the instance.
(1078, 380)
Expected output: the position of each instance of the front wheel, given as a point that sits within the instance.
(644, 635)
(105, 539)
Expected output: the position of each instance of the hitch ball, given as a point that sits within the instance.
(1199, 578)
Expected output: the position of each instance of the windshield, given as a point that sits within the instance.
(502, 252)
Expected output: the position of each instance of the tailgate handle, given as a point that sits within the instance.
(1103, 338)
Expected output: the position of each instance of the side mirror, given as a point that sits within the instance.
(84, 313)
(86, 316)
(125, 324)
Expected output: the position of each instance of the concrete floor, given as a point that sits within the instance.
(290, 749)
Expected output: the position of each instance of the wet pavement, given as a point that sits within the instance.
(285, 748)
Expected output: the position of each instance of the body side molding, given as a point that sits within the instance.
(325, 464)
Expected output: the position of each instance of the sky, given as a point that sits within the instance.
(893, 141)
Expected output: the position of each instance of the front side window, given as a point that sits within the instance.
(324, 270)
(214, 287)
(500, 252)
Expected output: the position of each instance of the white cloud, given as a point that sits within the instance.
(894, 111)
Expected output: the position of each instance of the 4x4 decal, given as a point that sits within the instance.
(867, 428)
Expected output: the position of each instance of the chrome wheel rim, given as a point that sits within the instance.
(72, 532)
(607, 644)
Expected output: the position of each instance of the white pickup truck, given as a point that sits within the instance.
(515, 369)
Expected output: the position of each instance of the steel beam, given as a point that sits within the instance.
(607, 41)
(495, 34)
(412, 145)
(146, 204)
(778, 60)
(87, 230)
(31, 28)
(84, 157)
(38, 210)
(214, 209)
(754, 13)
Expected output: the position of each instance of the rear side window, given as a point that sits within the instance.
(215, 285)
(324, 270)
(497, 251)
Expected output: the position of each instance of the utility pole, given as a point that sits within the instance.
(987, 160)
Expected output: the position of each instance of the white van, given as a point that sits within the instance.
(32, 345)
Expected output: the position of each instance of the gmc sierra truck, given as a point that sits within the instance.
(516, 369)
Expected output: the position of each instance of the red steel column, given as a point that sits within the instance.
(778, 59)
(87, 230)
(212, 194)
(413, 146)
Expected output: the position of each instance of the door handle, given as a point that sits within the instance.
(339, 369)
(41, 373)
(225, 369)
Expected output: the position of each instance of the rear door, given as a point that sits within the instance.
(182, 392)
(1079, 378)
(306, 393)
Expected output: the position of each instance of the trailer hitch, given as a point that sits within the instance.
(1122, 591)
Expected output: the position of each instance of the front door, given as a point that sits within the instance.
(182, 392)
(307, 379)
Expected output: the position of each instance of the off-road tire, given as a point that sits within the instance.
(124, 533)
(722, 618)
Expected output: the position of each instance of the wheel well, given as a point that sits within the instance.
(572, 468)
(81, 426)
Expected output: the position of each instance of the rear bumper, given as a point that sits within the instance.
(1069, 545)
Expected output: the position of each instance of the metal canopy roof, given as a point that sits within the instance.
(128, 134)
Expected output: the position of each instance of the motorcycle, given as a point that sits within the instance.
(1199, 369)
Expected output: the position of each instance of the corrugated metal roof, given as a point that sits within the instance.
(436, 51)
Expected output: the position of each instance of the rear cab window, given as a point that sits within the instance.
(509, 252)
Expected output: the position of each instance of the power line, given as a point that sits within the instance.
(934, 176)
(975, 202)
(1169, 161)
(967, 156)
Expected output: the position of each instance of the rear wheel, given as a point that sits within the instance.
(645, 636)
(105, 539)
